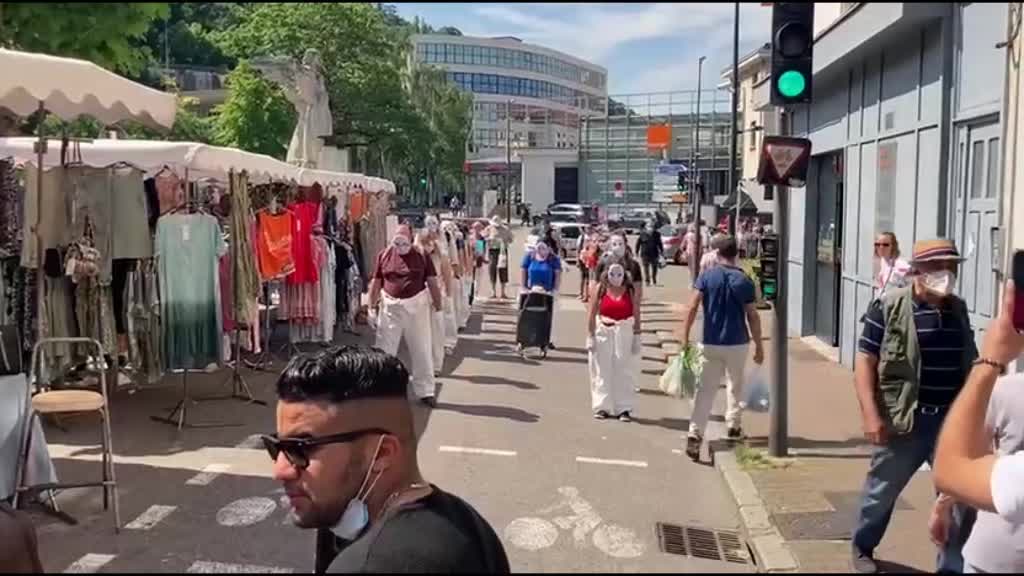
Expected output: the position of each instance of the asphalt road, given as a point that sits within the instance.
(514, 437)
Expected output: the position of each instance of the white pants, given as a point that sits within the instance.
(719, 361)
(464, 311)
(613, 368)
(409, 319)
(437, 339)
(451, 324)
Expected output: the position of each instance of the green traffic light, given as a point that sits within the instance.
(791, 84)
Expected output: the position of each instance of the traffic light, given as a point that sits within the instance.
(681, 182)
(769, 271)
(792, 52)
(423, 182)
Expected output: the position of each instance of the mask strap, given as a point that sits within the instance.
(373, 461)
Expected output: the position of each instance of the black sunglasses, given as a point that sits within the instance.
(298, 450)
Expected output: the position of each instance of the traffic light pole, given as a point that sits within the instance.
(778, 411)
(735, 228)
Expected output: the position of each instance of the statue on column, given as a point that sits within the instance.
(305, 87)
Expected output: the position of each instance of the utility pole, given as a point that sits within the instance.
(735, 116)
(778, 410)
(508, 162)
(694, 154)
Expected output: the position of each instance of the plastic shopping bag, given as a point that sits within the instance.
(671, 380)
(693, 365)
(757, 395)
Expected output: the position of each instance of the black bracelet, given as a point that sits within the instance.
(989, 362)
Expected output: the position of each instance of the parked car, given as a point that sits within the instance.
(568, 235)
(580, 213)
(672, 242)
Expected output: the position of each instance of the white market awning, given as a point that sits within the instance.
(327, 179)
(152, 156)
(70, 88)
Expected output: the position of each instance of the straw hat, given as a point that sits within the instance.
(938, 250)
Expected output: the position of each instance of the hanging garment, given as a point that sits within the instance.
(190, 306)
(60, 320)
(144, 322)
(227, 295)
(341, 266)
(130, 231)
(328, 290)
(169, 190)
(274, 245)
(246, 287)
(409, 320)
(306, 216)
(11, 211)
(54, 219)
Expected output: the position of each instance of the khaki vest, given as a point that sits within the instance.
(899, 359)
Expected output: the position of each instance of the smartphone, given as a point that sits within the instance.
(1018, 286)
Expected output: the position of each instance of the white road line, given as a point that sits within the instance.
(151, 517)
(209, 473)
(633, 463)
(204, 567)
(466, 450)
(89, 564)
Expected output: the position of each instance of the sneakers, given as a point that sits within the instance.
(693, 443)
(600, 415)
(862, 562)
(624, 417)
(735, 434)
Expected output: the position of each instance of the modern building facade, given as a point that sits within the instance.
(907, 131)
(617, 167)
(546, 93)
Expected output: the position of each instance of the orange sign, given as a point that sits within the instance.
(659, 137)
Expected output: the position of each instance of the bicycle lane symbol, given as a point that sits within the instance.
(535, 533)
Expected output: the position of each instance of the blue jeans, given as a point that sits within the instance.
(892, 467)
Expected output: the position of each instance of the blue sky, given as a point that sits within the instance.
(645, 47)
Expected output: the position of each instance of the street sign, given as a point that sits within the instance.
(784, 161)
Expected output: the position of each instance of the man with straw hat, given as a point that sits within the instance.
(914, 356)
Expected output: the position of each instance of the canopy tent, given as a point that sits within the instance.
(375, 184)
(309, 176)
(69, 88)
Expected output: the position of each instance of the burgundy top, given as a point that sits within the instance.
(403, 276)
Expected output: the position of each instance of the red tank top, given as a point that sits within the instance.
(616, 308)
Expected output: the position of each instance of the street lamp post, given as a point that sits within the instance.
(733, 184)
(695, 153)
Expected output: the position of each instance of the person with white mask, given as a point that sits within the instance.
(426, 244)
(613, 343)
(344, 452)
(499, 238)
(617, 250)
(403, 297)
(915, 353)
(443, 257)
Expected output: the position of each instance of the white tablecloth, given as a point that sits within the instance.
(12, 406)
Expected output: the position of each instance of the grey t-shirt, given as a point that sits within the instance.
(996, 545)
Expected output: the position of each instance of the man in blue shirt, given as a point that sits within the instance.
(730, 321)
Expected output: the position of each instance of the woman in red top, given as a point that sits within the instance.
(613, 325)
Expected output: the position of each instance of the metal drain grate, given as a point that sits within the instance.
(717, 545)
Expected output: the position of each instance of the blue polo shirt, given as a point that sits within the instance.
(726, 291)
(541, 273)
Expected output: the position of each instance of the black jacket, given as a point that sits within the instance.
(648, 245)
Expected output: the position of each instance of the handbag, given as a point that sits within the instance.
(10, 350)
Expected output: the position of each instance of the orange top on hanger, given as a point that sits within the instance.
(274, 245)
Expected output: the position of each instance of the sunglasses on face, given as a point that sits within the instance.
(882, 244)
(299, 450)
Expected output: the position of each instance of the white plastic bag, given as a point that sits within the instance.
(757, 396)
(671, 381)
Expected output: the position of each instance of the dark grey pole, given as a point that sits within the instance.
(694, 195)
(735, 115)
(778, 437)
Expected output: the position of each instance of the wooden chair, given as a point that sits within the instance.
(56, 402)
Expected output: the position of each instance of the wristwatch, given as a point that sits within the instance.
(989, 362)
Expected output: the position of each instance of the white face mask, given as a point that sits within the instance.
(940, 283)
(401, 245)
(618, 248)
(542, 252)
(356, 516)
(616, 275)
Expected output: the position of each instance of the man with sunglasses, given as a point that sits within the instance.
(345, 452)
(916, 350)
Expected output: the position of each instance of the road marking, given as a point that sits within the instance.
(209, 473)
(467, 450)
(204, 567)
(633, 463)
(89, 564)
(151, 517)
(246, 511)
(677, 451)
(531, 533)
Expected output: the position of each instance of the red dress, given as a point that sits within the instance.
(304, 218)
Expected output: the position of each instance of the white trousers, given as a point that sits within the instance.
(719, 361)
(613, 368)
(437, 339)
(451, 324)
(409, 319)
(463, 301)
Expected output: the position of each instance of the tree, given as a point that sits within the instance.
(107, 33)
(189, 27)
(256, 116)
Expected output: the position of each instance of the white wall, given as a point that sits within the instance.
(825, 13)
(1013, 162)
(538, 181)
